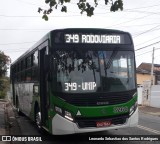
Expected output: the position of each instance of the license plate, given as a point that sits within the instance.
(103, 123)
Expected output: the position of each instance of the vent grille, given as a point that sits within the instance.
(98, 99)
(91, 122)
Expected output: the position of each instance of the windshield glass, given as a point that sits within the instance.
(83, 71)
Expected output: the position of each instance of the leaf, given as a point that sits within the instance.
(45, 17)
(96, 3)
(64, 9)
(47, 1)
(90, 11)
(61, 1)
(117, 5)
(52, 3)
(39, 9)
(106, 2)
(67, 1)
(56, 6)
(120, 4)
(49, 11)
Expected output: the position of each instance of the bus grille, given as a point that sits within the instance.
(98, 99)
(91, 122)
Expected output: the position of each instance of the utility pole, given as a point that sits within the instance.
(152, 67)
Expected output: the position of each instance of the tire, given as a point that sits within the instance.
(17, 107)
(38, 120)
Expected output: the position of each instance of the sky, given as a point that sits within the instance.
(21, 26)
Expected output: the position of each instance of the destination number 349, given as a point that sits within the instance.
(84, 86)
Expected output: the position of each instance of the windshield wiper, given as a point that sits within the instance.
(107, 66)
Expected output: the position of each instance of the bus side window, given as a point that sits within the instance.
(35, 58)
(22, 70)
(28, 74)
(28, 62)
(15, 72)
(35, 74)
(23, 76)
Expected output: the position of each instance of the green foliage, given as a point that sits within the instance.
(4, 87)
(45, 17)
(117, 5)
(4, 81)
(4, 63)
(83, 5)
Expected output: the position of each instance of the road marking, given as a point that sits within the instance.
(148, 129)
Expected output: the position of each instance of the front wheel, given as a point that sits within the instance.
(17, 107)
(38, 118)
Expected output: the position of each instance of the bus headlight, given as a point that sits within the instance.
(132, 109)
(58, 110)
(63, 113)
(68, 116)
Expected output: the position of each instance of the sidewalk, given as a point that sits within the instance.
(150, 110)
(8, 121)
(3, 120)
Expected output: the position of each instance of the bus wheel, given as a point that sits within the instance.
(17, 107)
(18, 111)
(38, 118)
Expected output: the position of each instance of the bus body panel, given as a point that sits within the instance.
(26, 98)
(61, 126)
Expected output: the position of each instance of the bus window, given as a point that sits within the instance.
(28, 74)
(35, 74)
(35, 58)
(28, 62)
(22, 65)
(23, 76)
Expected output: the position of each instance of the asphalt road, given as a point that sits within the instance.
(148, 125)
(151, 122)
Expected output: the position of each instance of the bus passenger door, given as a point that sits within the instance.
(43, 87)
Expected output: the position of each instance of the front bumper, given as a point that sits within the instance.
(62, 126)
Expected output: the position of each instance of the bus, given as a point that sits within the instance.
(78, 80)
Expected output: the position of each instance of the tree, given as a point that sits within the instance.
(4, 63)
(83, 5)
(4, 81)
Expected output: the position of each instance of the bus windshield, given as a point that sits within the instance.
(88, 71)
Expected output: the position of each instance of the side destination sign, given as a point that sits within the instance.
(90, 38)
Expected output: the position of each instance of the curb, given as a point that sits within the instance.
(151, 113)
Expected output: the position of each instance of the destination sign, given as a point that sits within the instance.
(91, 38)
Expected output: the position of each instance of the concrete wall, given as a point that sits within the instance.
(149, 95)
(155, 96)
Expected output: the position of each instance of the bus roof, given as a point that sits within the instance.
(47, 36)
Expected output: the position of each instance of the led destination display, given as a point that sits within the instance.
(86, 38)
(80, 38)
(96, 37)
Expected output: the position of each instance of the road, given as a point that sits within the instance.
(148, 125)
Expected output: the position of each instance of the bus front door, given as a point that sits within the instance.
(43, 88)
